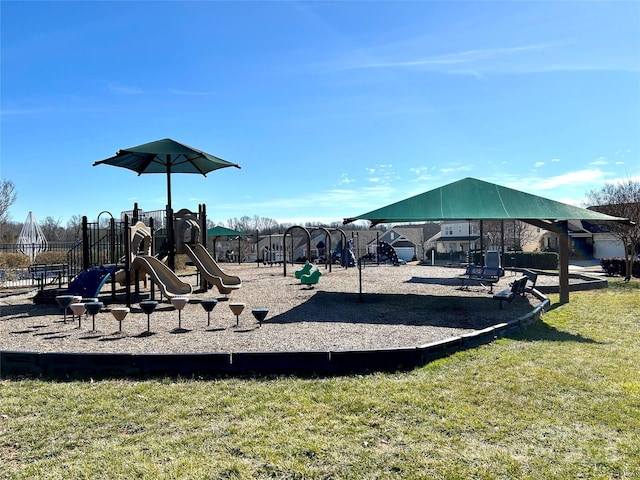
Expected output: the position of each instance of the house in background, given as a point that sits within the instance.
(587, 241)
(460, 236)
(407, 240)
(269, 248)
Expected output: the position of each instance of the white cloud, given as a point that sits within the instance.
(600, 161)
(421, 173)
(555, 160)
(419, 170)
(384, 174)
(451, 61)
(519, 59)
(538, 164)
(344, 179)
(579, 177)
(459, 168)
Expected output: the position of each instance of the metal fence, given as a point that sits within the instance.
(36, 247)
(23, 277)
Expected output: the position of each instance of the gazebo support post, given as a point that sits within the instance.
(563, 260)
(502, 243)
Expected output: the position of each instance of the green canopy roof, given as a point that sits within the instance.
(223, 232)
(472, 199)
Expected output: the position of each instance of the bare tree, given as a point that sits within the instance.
(10, 232)
(74, 228)
(267, 224)
(52, 229)
(8, 197)
(524, 234)
(621, 199)
(492, 233)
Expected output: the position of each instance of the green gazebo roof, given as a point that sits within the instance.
(472, 199)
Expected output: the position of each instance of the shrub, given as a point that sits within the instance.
(49, 258)
(537, 260)
(616, 266)
(14, 260)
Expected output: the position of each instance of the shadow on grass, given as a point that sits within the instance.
(541, 331)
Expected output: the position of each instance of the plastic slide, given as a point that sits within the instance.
(210, 269)
(168, 282)
(88, 283)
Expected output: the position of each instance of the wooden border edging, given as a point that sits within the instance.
(302, 363)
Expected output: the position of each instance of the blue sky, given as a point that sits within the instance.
(331, 109)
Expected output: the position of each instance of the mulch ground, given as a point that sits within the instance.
(378, 307)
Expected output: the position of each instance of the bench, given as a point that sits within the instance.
(482, 275)
(532, 276)
(43, 273)
(517, 288)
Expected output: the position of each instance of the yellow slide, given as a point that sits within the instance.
(210, 270)
(167, 281)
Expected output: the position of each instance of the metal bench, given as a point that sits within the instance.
(482, 275)
(48, 274)
(532, 276)
(508, 294)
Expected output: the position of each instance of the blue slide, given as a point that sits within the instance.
(88, 283)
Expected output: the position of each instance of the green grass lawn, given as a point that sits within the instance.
(561, 400)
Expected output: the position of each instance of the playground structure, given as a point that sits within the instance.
(324, 246)
(130, 251)
(386, 251)
(344, 254)
(307, 275)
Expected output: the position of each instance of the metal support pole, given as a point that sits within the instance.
(85, 243)
(202, 214)
(127, 262)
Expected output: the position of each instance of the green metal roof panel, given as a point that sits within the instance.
(223, 232)
(472, 199)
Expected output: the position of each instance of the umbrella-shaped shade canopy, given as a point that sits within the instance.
(166, 156)
(472, 199)
(223, 232)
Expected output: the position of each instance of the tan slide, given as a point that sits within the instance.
(167, 281)
(210, 270)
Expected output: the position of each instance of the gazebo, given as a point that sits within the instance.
(473, 199)
(219, 231)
